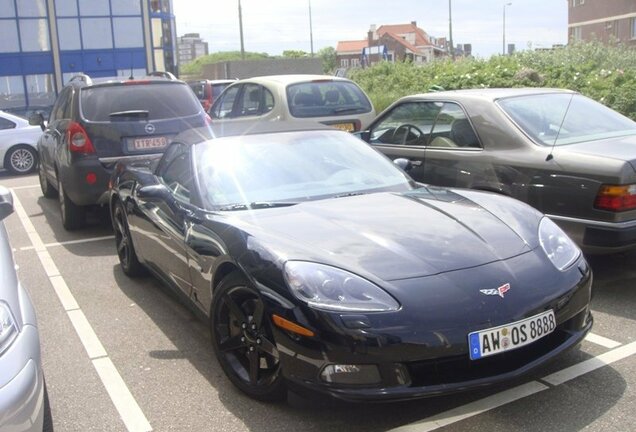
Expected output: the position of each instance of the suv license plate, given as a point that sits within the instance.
(148, 143)
(495, 340)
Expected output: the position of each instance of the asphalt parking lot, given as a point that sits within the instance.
(122, 354)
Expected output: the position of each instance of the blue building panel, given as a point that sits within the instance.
(99, 61)
(37, 63)
(71, 61)
(10, 64)
(130, 58)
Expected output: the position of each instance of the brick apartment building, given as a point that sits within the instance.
(604, 20)
(391, 43)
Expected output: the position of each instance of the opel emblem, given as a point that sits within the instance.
(150, 128)
(499, 291)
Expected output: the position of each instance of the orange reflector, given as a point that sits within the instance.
(292, 327)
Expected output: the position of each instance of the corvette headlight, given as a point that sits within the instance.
(329, 288)
(557, 245)
(8, 327)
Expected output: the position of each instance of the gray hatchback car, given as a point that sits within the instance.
(566, 155)
(23, 403)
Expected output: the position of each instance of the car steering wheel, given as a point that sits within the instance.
(409, 130)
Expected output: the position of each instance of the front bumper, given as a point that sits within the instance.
(420, 352)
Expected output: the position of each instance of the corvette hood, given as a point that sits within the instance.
(399, 236)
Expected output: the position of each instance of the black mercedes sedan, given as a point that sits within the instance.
(321, 266)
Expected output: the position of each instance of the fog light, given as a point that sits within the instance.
(91, 178)
(351, 374)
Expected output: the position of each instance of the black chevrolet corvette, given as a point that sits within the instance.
(320, 265)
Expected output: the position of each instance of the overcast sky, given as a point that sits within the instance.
(273, 26)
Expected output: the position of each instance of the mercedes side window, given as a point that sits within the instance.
(409, 123)
(223, 108)
(452, 129)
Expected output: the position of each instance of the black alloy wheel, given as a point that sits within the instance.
(21, 159)
(47, 188)
(72, 214)
(243, 342)
(125, 250)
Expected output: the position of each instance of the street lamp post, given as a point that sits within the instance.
(503, 50)
(311, 31)
(450, 31)
(241, 29)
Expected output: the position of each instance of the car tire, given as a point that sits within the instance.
(21, 159)
(243, 341)
(47, 187)
(128, 260)
(73, 215)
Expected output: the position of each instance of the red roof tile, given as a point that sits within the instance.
(349, 46)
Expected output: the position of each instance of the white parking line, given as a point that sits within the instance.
(122, 398)
(70, 242)
(507, 396)
(590, 365)
(473, 408)
(26, 187)
(602, 341)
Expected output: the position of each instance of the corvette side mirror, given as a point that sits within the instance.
(155, 193)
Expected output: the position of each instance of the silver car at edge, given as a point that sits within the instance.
(23, 404)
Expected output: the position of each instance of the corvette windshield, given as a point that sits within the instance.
(562, 118)
(269, 170)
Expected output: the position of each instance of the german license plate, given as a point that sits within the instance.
(347, 127)
(148, 143)
(496, 340)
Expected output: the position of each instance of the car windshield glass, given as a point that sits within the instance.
(562, 118)
(326, 98)
(160, 100)
(235, 172)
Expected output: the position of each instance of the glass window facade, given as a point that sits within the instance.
(9, 41)
(7, 9)
(68, 33)
(128, 32)
(96, 33)
(40, 89)
(12, 92)
(125, 7)
(66, 8)
(31, 8)
(34, 34)
(94, 7)
(102, 38)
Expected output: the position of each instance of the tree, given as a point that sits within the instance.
(328, 57)
(295, 54)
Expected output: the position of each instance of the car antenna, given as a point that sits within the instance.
(565, 114)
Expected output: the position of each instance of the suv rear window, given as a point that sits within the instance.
(326, 98)
(162, 100)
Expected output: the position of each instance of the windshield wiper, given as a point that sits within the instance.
(348, 194)
(344, 110)
(257, 205)
(131, 113)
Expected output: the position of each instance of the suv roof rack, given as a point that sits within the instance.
(81, 77)
(162, 74)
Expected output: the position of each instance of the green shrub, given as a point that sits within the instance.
(604, 73)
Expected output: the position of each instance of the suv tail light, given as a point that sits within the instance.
(78, 140)
(616, 197)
